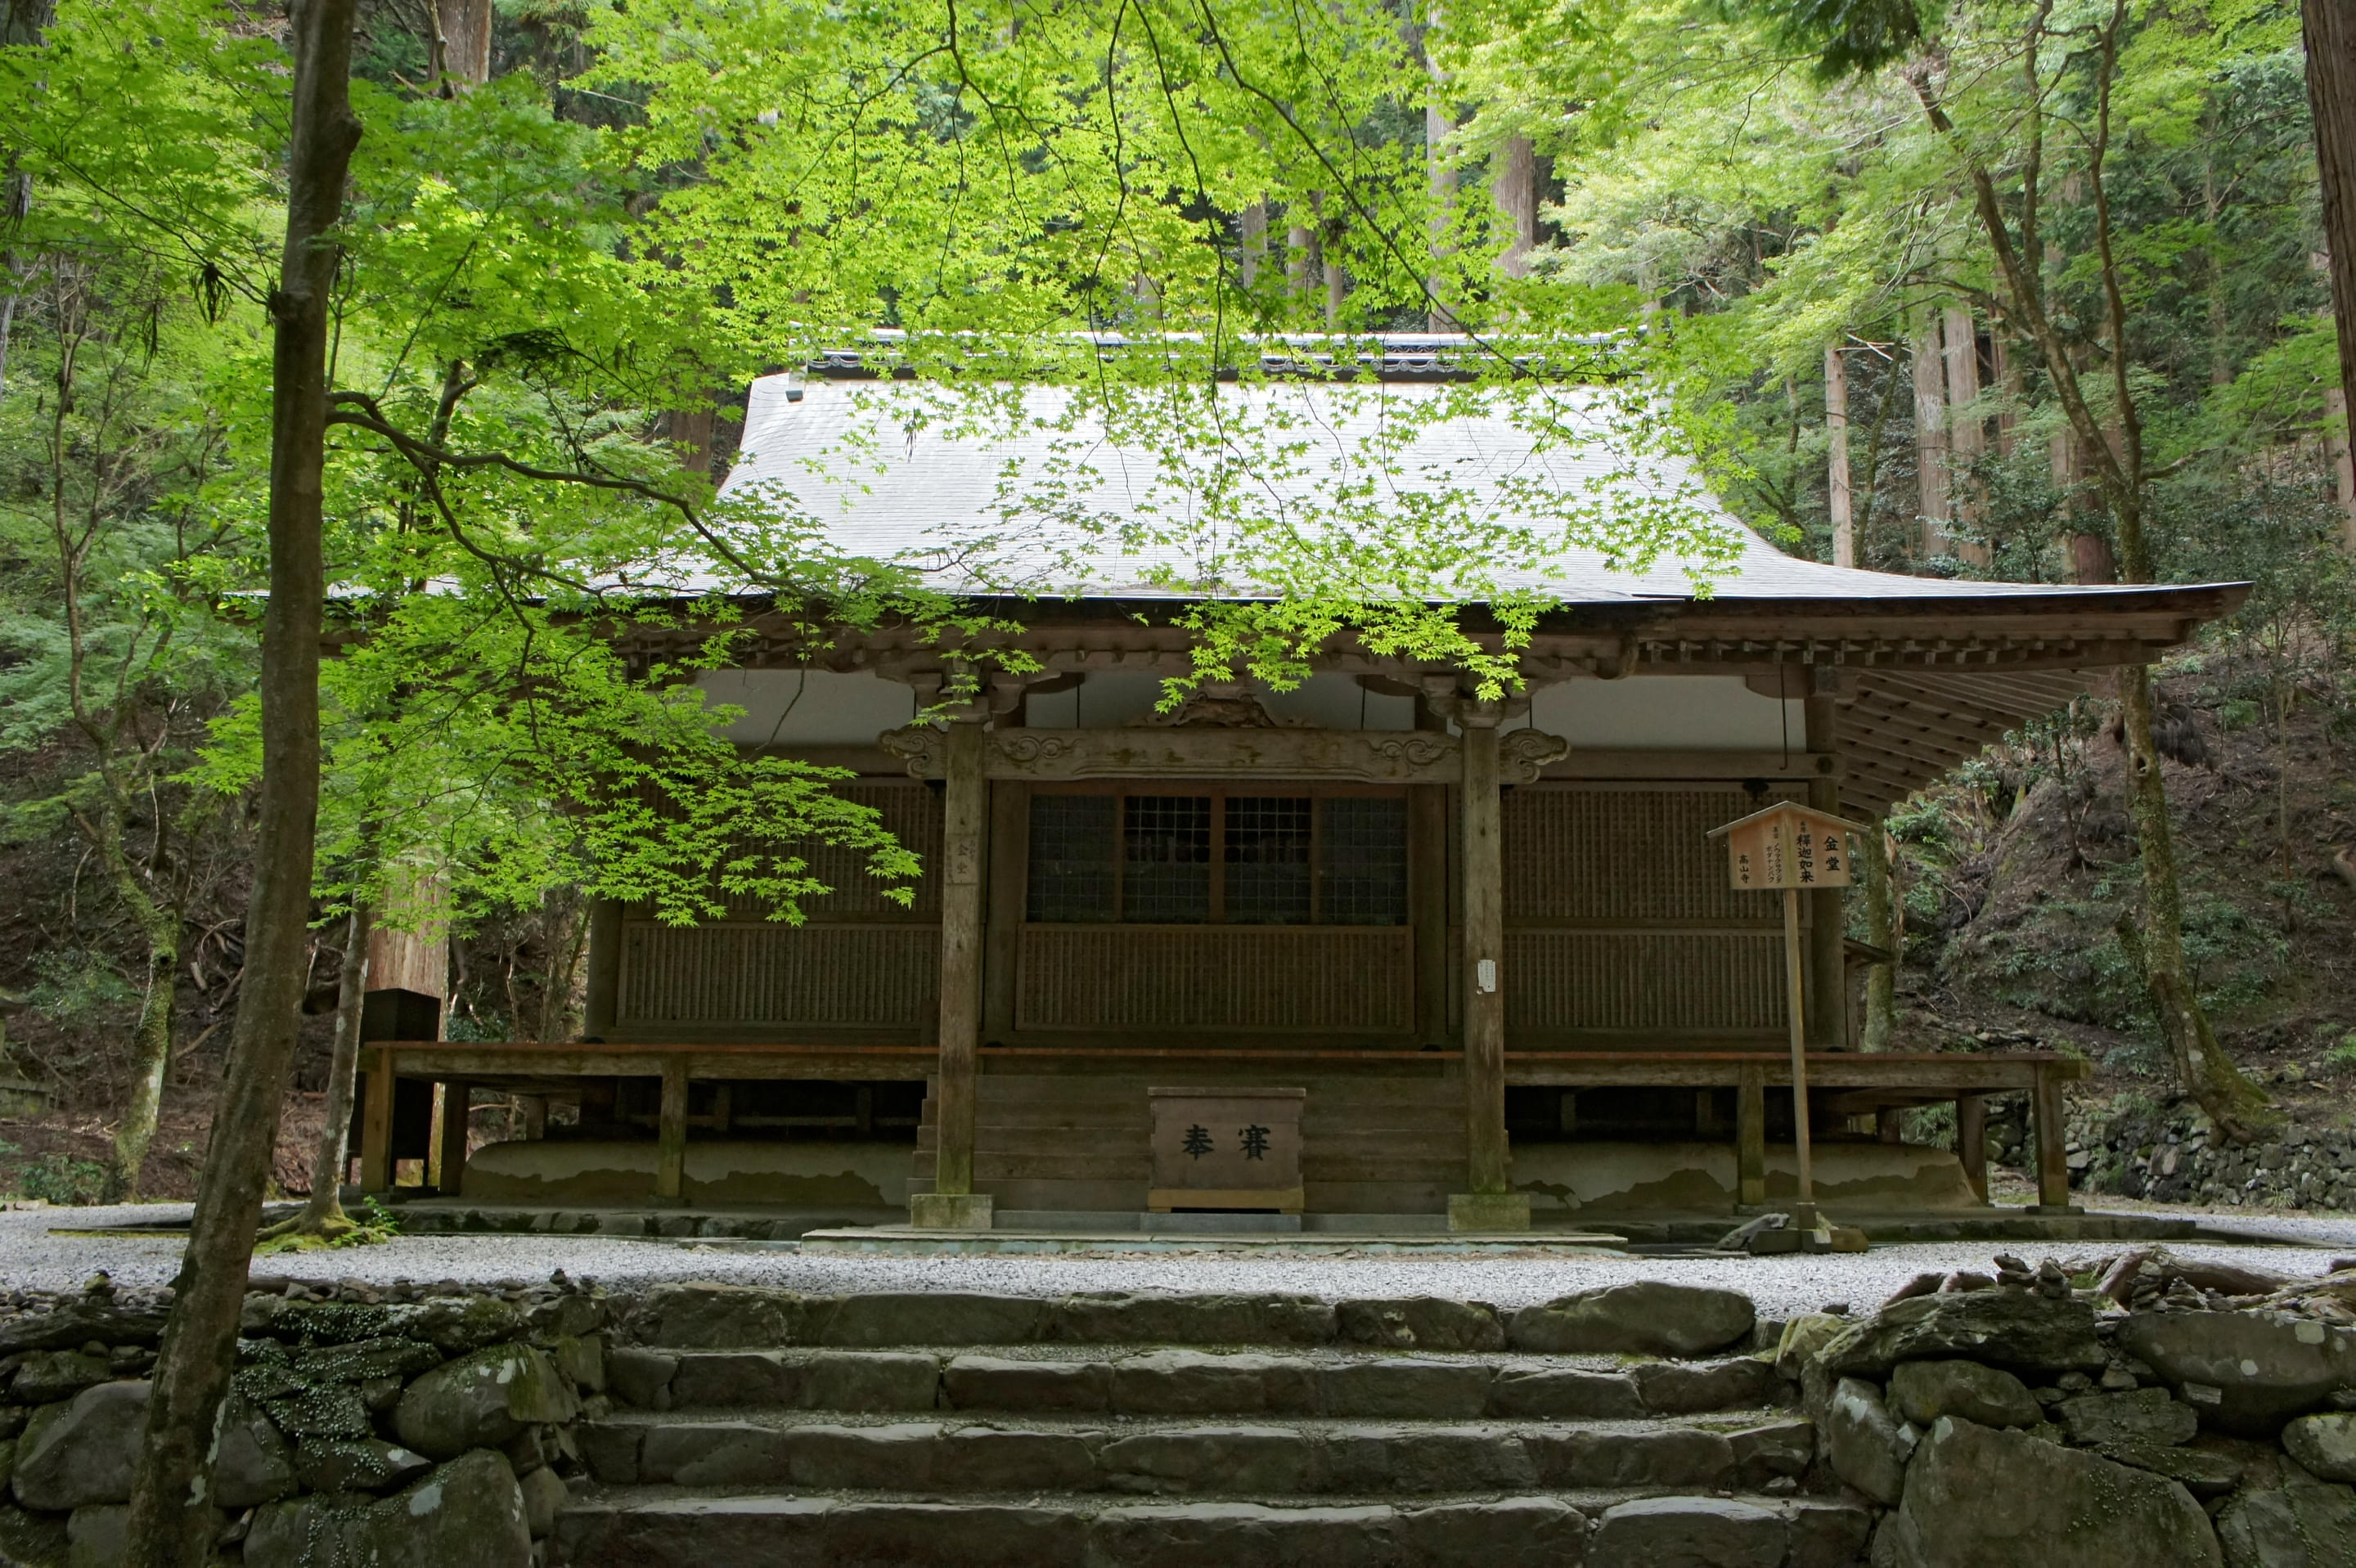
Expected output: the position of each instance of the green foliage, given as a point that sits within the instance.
(79, 988)
(62, 1180)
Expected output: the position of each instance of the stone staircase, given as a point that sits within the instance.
(1134, 1430)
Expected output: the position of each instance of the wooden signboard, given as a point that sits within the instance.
(1792, 848)
(1226, 1148)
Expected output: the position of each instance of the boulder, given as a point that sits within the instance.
(252, 1465)
(1867, 1445)
(1646, 1317)
(94, 1535)
(468, 1513)
(2146, 1416)
(2204, 1473)
(1685, 1388)
(1421, 1323)
(1803, 1337)
(544, 1494)
(77, 1323)
(1689, 1532)
(481, 1400)
(2324, 1445)
(876, 1318)
(2012, 1328)
(356, 1465)
(48, 1375)
(2264, 1367)
(1922, 1391)
(642, 1377)
(322, 1410)
(457, 1324)
(1977, 1497)
(85, 1455)
(2294, 1527)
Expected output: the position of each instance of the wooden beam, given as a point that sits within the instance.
(671, 1134)
(376, 1123)
(1481, 871)
(1349, 756)
(450, 1176)
(965, 831)
(1971, 1141)
(2053, 1158)
(1750, 1137)
(1010, 836)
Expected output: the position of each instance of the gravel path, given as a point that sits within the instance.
(31, 1257)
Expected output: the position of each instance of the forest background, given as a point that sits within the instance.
(1798, 243)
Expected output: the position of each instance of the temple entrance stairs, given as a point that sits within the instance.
(986, 1431)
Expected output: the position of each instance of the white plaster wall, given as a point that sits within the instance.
(809, 708)
(1668, 712)
(1115, 699)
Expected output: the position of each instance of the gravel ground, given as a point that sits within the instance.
(31, 1257)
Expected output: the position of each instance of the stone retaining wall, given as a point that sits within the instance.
(2095, 1413)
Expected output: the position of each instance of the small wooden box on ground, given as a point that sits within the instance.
(1225, 1148)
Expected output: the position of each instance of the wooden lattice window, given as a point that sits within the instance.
(1216, 857)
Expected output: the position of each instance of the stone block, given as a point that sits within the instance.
(2146, 1416)
(1189, 1535)
(641, 1377)
(45, 1376)
(252, 1465)
(356, 1465)
(775, 1531)
(1646, 1317)
(1421, 1323)
(705, 1317)
(1689, 1532)
(984, 1535)
(1411, 1461)
(1673, 1456)
(544, 1495)
(991, 1382)
(87, 1453)
(1116, 1318)
(898, 1457)
(1867, 1445)
(1678, 1388)
(1507, 1212)
(1431, 1391)
(1922, 1391)
(931, 1318)
(322, 1410)
(1564, 1393)
(582, 1358)
(1242, 1459)
(76, 1322)
(949, 1212)
(1822, 1533)
(2290, 1527)
(2324, 1445)
(1979, 1497)
(480, 1401)
(2266, 1369)
(2016, 1330)
(723, 1379)
(1514, 1533)
(713, 1454)
(468, 1513)
(1775, 1448)
(95, 1536)
(1196, 1382)
(610, 1450)
(993, 1459)
(1802, 1338)
(874, 1380)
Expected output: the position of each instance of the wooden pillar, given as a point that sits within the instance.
(964, 845)
(1836, 458)
(1428, 887)
(1971, 1142)
(1828, 1011)
(534, 1109)
(670, 1132)
(376, 1123)
(1750, 1137)
(2053, 1158)
(450, 1174)
(1889, 1124)
(604, 970)
(1484, 942)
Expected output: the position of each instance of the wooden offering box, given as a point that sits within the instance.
(1226, 1148)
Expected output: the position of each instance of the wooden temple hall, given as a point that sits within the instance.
(1371, 951)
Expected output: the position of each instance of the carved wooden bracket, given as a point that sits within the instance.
(1523, 754)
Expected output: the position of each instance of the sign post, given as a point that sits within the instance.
(1789, 847)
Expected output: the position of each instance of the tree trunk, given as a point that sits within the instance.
(173, 1522)
(1931, 432)
(324, 1213)
(152, 1036)
(1514, 187)
(462, 44)
(1836, 492)
(2330, 30)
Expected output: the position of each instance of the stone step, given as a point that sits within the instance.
(1190, 1383)
(1512, 1531)
(1262, 1459)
